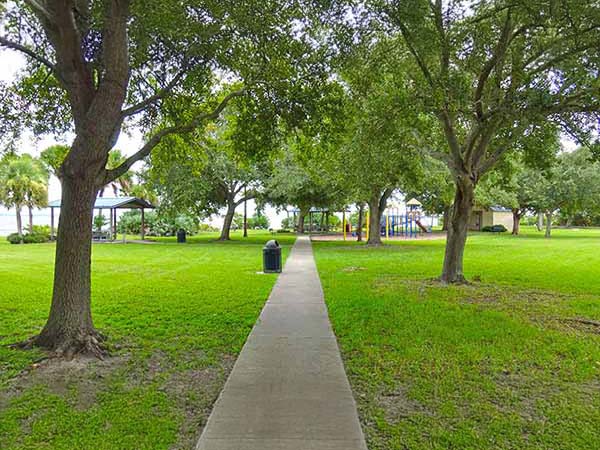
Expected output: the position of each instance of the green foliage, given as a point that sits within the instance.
(54, 156)
(572, 185)
(180, 52)
(14, 238)
(300, 180)
(211, 169)
(23, 182)
(156, 224)
(494, 228)
(37, 237)
(99, 222)
(258, 222)
(288, 223)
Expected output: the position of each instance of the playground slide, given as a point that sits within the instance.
(422, 227)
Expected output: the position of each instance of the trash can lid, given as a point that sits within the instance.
(272, 244)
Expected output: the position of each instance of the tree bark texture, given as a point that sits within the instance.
(30, 211)
(70, 329)
(446, 217)
(226, 230)
(19, 223)
(377, 205)
(458, 224)
(301, 216)
(548, 224)
(516, 221)
(359, 225)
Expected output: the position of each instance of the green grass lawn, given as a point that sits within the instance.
(176, 316)
(511, 361)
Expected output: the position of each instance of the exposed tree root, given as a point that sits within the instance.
(84, 344)
(459, 280)
(593, 323)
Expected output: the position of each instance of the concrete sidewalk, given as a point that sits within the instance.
(288, 389)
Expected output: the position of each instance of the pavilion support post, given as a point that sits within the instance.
(51, 223)
(143, 231)
(113, 224)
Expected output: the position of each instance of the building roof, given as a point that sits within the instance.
(413, 202)
(497, 208)
(312, 210)
(113, 203)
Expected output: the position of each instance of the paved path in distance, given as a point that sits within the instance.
(288, 389)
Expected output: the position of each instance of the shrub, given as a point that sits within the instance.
(14, 238)
(206, 228)
(99, 222)
(156, 225)
(42, 229)
(495, 228)
(29, 238)
(35, 238)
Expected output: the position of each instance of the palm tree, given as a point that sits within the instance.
(23, 183)
(37, 190)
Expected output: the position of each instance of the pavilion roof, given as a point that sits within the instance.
(114, 203)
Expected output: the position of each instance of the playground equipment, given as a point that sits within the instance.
(393, 223)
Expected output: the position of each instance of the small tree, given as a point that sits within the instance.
(206, 172)
(23, 183)
(301, 181)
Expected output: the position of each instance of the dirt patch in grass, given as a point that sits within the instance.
(195, 391)
(527, 394)
(543, 308)
(351, 269)
(79, 379)
(192, 384)
(398, 405)
(581, 324)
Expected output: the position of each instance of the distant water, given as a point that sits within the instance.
(8, 219)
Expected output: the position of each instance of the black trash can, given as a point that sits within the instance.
(181, 236)
(272, 257)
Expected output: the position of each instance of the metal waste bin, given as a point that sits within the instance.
(272, 257)
(181, 236)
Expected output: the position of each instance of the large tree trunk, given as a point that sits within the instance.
(301, 216)
(548, 224)
(374, 222)
(446, 218)
(19, 223)
(540, 221)
(70, 329)
(359, 225)
(458, 225)
(516, 221)
(225, 231)
(377, 205)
